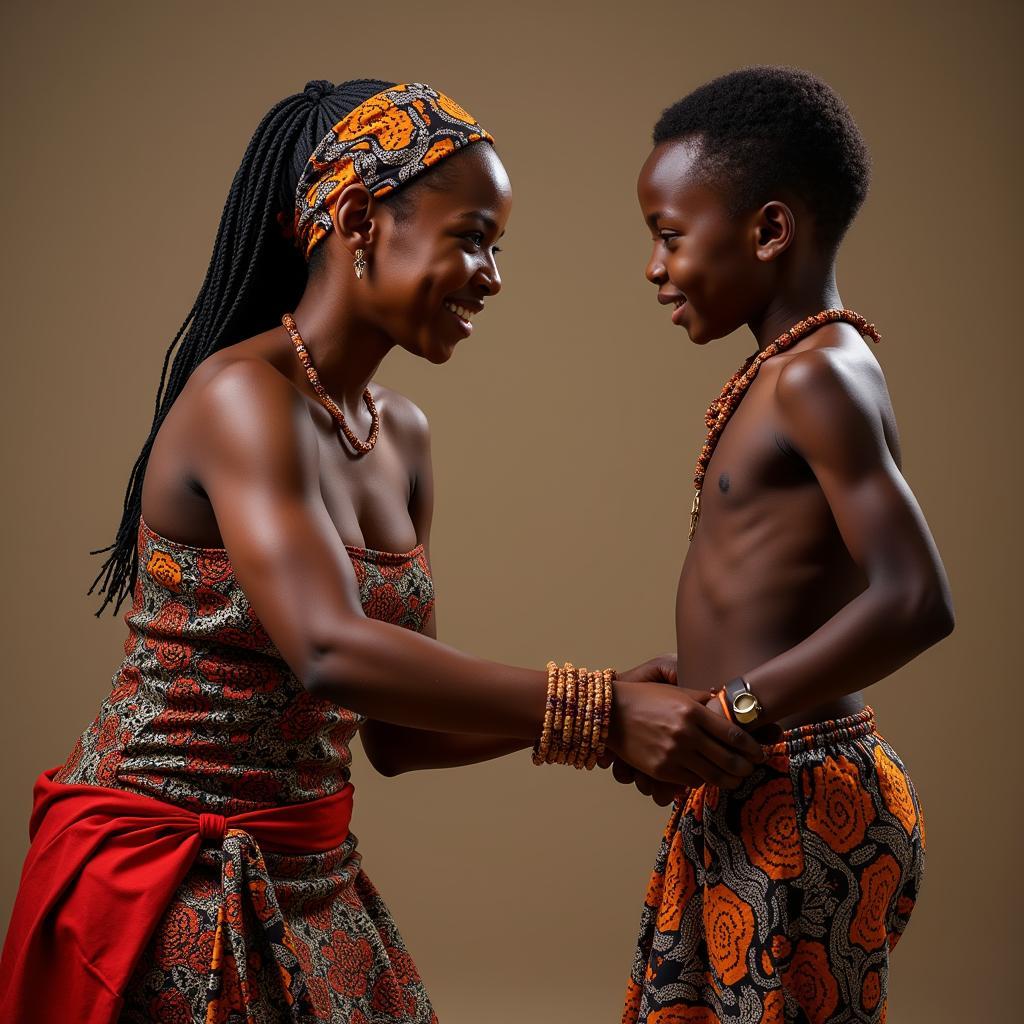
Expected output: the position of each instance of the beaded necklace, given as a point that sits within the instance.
(361, 447)
(722, 408)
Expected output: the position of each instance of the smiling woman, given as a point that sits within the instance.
(275, 544)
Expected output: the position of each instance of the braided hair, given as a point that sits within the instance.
(255, 275)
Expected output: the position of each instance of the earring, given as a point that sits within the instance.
(359, 263)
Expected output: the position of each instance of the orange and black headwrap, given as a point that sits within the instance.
(384, 142)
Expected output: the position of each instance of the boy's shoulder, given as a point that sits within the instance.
(834, 397)
(839, 368)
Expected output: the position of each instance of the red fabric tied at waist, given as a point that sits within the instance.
(102, 866)
(212, 826)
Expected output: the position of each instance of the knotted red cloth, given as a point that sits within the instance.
(102, 867)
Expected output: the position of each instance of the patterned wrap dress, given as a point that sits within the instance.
(204, 713)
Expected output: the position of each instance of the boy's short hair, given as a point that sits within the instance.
(767, 128)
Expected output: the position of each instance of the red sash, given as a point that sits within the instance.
(102, 867)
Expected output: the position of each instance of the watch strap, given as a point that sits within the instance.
(744, 707)
(726, 706)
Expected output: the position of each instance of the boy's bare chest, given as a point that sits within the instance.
(754, 462)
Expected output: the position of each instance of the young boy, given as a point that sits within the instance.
(811, 573)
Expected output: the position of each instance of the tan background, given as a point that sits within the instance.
(518, 889)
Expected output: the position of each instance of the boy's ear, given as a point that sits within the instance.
(352, 214)
(775, 226)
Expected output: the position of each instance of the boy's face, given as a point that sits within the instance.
(704, 260)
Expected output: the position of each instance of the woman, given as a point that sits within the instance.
(206, 808)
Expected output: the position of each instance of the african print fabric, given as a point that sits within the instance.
(205, 714)
(101, 868)
(779, 902)
(384, 142)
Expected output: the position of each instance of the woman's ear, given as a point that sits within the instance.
(352, 215)
(775, 228)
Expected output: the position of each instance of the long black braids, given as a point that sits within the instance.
(254, 276)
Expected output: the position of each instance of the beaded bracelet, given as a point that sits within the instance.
(581, 717)
(595, 726)
(570, 713)
(577, 715)
(588, 722)
(556, 738)
(609, 677)
(544, 744)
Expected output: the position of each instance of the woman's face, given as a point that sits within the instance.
(433, 261)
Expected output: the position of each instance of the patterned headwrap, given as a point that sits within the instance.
(384, 142)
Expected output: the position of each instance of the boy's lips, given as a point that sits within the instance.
(677, 299)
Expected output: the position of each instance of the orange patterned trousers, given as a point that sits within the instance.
(779, 902)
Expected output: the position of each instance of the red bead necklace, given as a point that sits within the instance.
(722, 408)
(360, 447)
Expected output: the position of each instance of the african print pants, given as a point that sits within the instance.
(778, 902)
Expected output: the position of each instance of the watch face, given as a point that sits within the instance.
(745, 706)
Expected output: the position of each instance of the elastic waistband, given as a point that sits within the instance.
(822, 734)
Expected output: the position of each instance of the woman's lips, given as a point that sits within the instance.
(462, 316)
(677, 313)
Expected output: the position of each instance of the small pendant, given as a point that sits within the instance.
(694, 514)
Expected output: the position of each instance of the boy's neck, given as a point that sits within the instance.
(794, 303)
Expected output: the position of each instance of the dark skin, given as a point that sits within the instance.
(812, 572)
(249, 460)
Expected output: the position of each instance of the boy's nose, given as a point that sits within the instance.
(655, 271)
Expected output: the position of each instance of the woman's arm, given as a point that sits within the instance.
(259, 466)
(393, 749)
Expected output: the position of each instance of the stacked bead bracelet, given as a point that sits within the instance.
(577, 714)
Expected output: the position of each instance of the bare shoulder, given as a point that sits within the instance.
(249, 410)
(832, 377)
(246, 386)
(835, 407)
(404, 417)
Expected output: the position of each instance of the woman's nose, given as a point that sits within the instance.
(489, 279)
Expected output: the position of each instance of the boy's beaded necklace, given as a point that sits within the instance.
(722, 408)
(361, 447)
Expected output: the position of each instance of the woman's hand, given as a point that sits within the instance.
(662, 793)
(669, 735)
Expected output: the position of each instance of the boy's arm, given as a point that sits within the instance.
(833, 421)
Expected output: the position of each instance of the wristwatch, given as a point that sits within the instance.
(746, 708)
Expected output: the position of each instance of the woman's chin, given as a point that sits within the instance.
(439, 352)
(433, 350)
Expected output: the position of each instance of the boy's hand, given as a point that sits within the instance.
(658, 670)
(662, 793)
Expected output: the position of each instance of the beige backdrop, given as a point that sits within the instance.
(519, 889)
